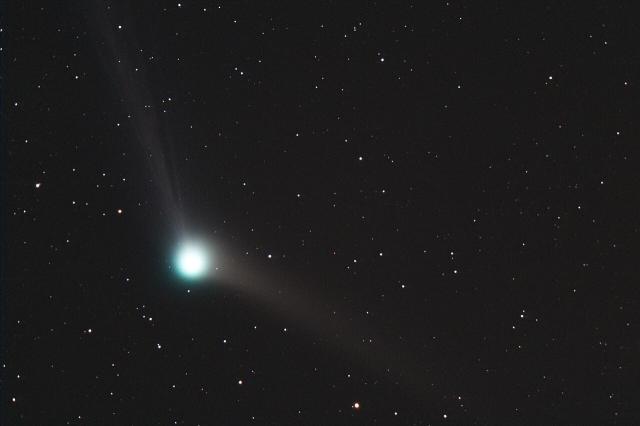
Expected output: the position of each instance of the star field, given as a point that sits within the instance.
(416, 213)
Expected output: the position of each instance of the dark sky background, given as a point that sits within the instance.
(453, 185)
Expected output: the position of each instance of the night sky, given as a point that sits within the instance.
(411, 213)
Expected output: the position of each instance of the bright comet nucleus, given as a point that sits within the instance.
(192, 260)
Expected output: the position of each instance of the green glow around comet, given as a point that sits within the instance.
(192, 261)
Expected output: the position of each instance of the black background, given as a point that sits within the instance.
(499, 178)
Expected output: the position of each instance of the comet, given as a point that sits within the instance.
(192, 260)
